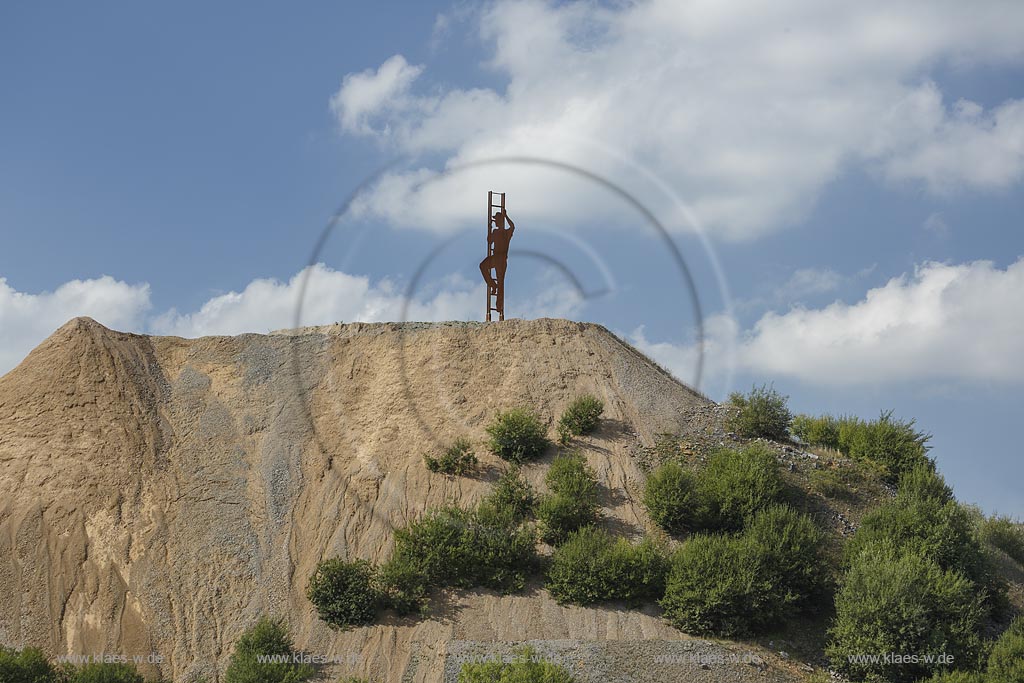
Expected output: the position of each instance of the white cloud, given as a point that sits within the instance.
(970, 148)
(27, 319)
(263, 305)
(942, 323)
(748, 110)
(364, 96)
(333, 296)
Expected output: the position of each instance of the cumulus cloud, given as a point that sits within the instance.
(331, 296)
(970, 148)
(26, 319)
(749, 110)
(367, 95)
(943, 322)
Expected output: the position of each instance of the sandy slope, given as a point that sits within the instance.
(158, 494)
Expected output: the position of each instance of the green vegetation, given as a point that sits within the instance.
(926, 520)
(592, 565)
(450, 546)
(918, 582)
(31, 666)
(403, 586)
(818, 431)
(572, 503)
(894, 444)
(790, 548)
(25, 666)
(763, 412)
(517, 435)
(581, 417)
(894, 601)
(730, 489)
(457, 459)
(670, 498)
(526, 668)
(1005, 662)
(98, 672)
(829, 483)
(267, 638)
(344, 593)
(513, 493)
(712, 586)
(1006, 659)
(733, 585)
(489, 545)
(734, 485)
(1006, 534)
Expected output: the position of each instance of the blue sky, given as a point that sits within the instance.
(852, 175)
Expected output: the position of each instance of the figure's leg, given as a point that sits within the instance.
(499, 269)
(485, 270)
(485, 267)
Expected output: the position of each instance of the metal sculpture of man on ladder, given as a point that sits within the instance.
(498, 237)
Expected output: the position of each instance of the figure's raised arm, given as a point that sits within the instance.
(511, 225)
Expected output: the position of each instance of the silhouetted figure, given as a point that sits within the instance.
(498, 237)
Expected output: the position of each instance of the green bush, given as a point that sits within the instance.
(896, 444)
(513, 493)
(736, 585)
(763, 412)
(1006, 659)
(592, 566)
(817, 431)
(559, 516)
(457, 459)
(1006, 534)
(670, 497)
(403, 585)
(25, 666)
(790, 549)
(572, 503)
(581, 417)
(934, 527)
(435, 546)
(730, 489)
(517, 435)
(503, 549)
(526, 668)
(454, 547)
(734, 485)
(30, 665)
(1005, 662)
(922, 482)
(103, 672)
(714, 586)
(569, 475)
(897, 602)
(267, 638)
(344, 593)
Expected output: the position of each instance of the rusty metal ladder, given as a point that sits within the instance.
(493, 291)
